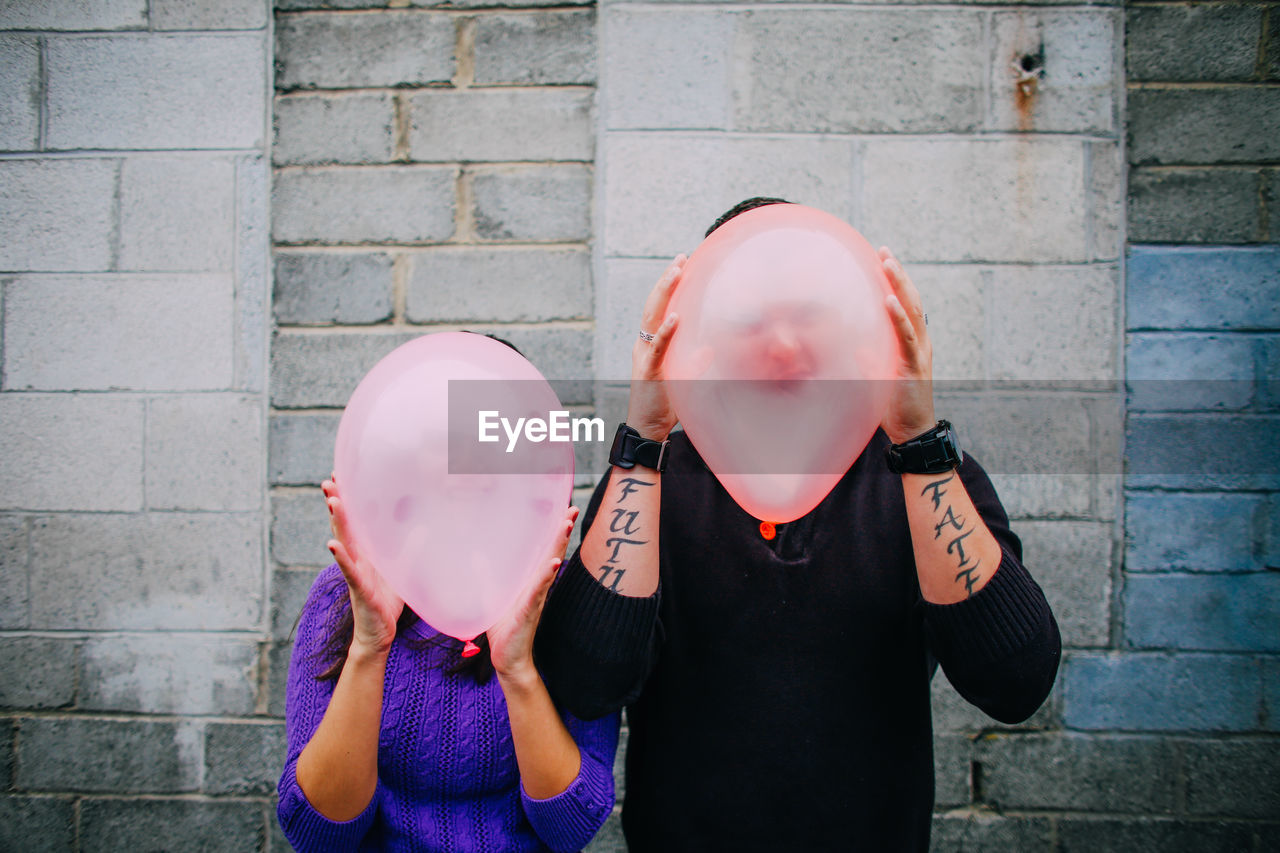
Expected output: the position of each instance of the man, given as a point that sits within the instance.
(778, 689)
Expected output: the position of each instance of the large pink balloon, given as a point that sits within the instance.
(457, 527)
(778, 369)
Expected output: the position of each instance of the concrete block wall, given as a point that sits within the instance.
(1192, 665)
(134, 275)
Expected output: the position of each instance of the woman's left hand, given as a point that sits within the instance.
(511, 637)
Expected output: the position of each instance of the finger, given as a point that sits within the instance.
(903, 326)
(662, 338)
(655, 307)
(341, 527)
(344, 560)
(902, 285)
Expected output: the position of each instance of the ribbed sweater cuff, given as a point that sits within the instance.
(620, 625)
(571, 818)
(307, 829)
(996, 621)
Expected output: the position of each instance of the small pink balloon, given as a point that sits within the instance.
(778, 370)
(456, 526)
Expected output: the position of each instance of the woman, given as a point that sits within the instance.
(396, 742)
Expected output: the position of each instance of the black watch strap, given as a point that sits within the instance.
(631, 449)
(933, 452)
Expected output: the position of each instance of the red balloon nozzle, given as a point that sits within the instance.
(768, 530)
(470, 650)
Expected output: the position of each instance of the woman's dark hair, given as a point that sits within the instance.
(338, 643)
(743, 207)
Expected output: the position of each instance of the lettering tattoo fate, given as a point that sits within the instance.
(624, 528)
(955, 527)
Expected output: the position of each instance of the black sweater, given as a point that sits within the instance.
(778, 691)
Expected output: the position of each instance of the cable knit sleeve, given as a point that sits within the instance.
(306, 700)
(569, 820)
(1000, 648)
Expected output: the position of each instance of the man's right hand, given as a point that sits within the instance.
(649, 409)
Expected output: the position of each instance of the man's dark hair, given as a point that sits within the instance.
(743, 207)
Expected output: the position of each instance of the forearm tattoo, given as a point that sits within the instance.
(954, 526)
(624, 528)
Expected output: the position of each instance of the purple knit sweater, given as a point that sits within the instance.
(447, 773)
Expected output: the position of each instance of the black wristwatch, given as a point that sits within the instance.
(631, 449)
(933, 452)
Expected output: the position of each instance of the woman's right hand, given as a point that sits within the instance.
(375, 608)
(649, 410)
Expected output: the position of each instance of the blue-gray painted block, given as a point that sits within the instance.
(1185, 287)
(108, 756)
(1172, 371)
(211, 826)
(1202, 451)
(1160, 692)
(1195, 205)
(37, 672)
(243, 758)
(1192, 532)
(1203, 612)
(991, 833)
(1168, 835)
(37, 824)
(1270, 694)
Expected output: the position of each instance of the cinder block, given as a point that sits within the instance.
(536, 48)
(208, 825)
(364, 49)
(19, 92)
(334, 127)
(1180, 371)
(1020, 199)
(314, 370)
(374, 204)
(503, 285)
(1192, 532)
(1270, 694)
(505, 124)
(1105, 198)
(300, 448)
(66, 441)
(156, 92)
(1111, 773)
(13, 572)
(1238, 778)
(73, 15)
(1200, 43)
(1184, 451)
(317, 288)
(37, 672)
(1232, 124)
(177, 215)
(170, 674)
(1008, 431)
(1202, 612)
(1268, 387)
(620, 299)
(209, 14)
(1046, 496)
(952, 771)
(108, 332)
(953, 299)
(278, 678)
(1071, 560)
(663, 190)
(57, 214)
(1169, 835)
(37, 824)
(252, 313)
(300, 528)
(121, 756)
(1271, 56)
(859, 71)
(1186, 287)
(1054, 71)
(532, 203)
(610, 838)
(560, 353)
(243, 758)
(1193, 205)
(953, 715)
(289, 589)
(1058, 322)
(1158, 692)
(667, 68)
(976, 830)
(147, 572)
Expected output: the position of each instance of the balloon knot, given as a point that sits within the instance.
(767, 529)
(470, 650)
